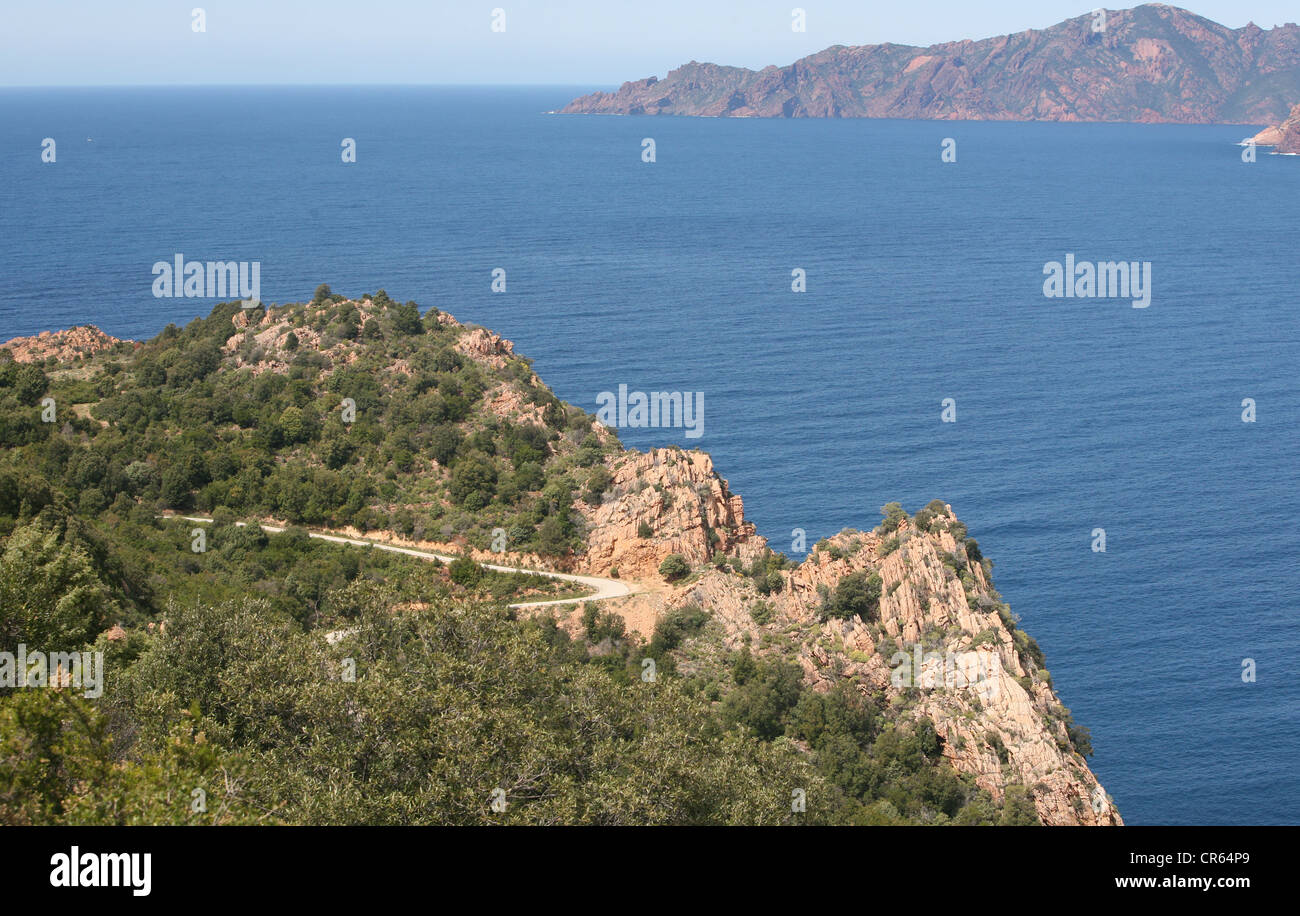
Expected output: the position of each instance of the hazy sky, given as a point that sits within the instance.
(596, 42)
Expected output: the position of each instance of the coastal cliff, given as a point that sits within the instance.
(1153, 63)
(1285, 137)
(1003, 724)
(883, 671)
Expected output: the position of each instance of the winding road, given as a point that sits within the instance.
(604, 588)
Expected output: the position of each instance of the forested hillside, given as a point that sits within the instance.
(274, 678)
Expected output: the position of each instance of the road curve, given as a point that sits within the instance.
(604, 588)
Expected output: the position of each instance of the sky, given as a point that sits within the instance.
(568, 42)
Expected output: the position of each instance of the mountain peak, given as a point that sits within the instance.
(1153, 63)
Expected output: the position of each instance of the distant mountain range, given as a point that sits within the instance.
(1153, 63)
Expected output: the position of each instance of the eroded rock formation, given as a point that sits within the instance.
(1285, 137)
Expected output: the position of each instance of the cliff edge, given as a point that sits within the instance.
(907, 610)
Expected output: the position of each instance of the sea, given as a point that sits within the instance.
(921, 360)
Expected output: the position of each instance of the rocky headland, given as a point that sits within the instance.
(1153, 63)
(1284, 137)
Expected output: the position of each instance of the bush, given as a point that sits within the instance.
(644, 530)
(473, 483)
(763, 701)
(465, 571)
(674, 627)
(893, 517)
(769, 583)
(406, 319)
(856, 595)
(674, 567)
(599, 626)
(552, 537)
(1081, 738)
(443, 443)
(597, 484)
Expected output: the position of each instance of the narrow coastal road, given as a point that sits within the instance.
(604, 588)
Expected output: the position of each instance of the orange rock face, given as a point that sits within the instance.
(1001, 722)
(84, 340)
(1285, 137)
(485, 346)
(682, 500)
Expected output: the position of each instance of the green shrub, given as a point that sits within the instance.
(893, 517)
(464, 571)
(674, 567)
(856, 595)
(675, 626)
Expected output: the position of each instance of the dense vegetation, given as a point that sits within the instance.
(282, 679)
(379, 425)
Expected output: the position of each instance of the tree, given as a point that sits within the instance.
(763, 701)
(140, 476)
(406, 319)
(176, 487)
(674, 567)
(893, 517)
(1019, 810)
(443, 443)
(464, 571)
(598, 483)
(51, 597)
(292, 425)
(473, 483)
(530, 477)
(552, 537)
(856, 595)
(349, 322)
(336, 452)
(29, 384)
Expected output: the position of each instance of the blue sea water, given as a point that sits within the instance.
(924, 283)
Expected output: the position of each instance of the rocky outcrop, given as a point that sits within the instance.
(485, 346)
(81, 341)
(973, 672)
(1151, 63)
(1285, 137)
(686, 509)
